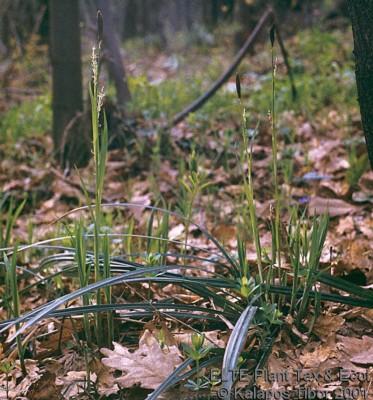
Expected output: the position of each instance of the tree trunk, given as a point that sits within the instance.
(70, 143)
(128, 23)
(361, 13)
(179, 16)
(247, 15)
(112, 54)
(163, 17)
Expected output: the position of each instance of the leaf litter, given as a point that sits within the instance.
(340, 337)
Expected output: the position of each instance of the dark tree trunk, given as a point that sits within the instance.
(112, 54)
(243, 14)
(247, 15)
(128, 22)
(361, 12)
(163, 17)
(70, 143)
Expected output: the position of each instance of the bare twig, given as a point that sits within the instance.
(267, 16)
(38, 20)
(285, 56)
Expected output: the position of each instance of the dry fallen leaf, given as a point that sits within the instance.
(337, 164)
(17, 385)
(322, 150)
(115, 190)
(357, 256)
(305, 131)
(366, 181)
(176, 232)
(45, 388)
(224, 232)
(334, 207)
(327, 325)
(167, 173)
(366, 227)
(147, 367)
(67, 189)
(105, 383)
(359, 351)
(74, 383)
(313, 359)
(345, 226)
(365, 357)
(335, 188)
(142, 201)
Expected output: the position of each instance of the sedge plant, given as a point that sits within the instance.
(6, 368)
(10, 217)
(246, 157)
(357, 166)
(197, 351)
(100, 144)
(14, 301)
(83, 267)
(276, 247)
(225, 293)
(192, 184)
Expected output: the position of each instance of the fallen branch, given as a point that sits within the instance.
(112, 55)
(225, 76)
(268, 16)
(285, 56)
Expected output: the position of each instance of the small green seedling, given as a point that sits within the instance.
(197, 351)
(247, 284)
(6, 368)
(358, 165)
(272, 314)
(192, 184)
(14, 302)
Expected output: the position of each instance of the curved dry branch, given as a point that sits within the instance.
(268, 16)
(195, 105)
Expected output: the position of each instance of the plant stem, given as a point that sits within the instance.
(249, 193)
(100, 156)
(277, 252)
(11, 267)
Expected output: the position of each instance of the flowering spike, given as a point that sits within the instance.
(238, 86)
(100, 27)
(272, 35)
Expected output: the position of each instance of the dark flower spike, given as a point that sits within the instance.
(272, 35)
(238, 86)
(100, 26)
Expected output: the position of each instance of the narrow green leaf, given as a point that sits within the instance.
(235, 346)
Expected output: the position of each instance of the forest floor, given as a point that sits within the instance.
(322, 168)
